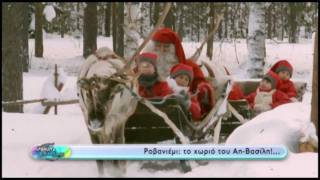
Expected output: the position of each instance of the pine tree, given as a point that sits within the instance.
(13, 52)
(107, 22)
(38, 30)
(90, 28)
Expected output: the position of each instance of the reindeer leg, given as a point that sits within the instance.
(120, 139)
(95, 140)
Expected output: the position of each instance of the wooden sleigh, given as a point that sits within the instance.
(239, 111)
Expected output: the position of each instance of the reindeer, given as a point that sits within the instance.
(101, 97)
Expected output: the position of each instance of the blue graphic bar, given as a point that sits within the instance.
(159, 152)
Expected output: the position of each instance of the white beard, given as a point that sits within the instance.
(165, 61)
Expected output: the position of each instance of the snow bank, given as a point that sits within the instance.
(22, 131)
(287, 125)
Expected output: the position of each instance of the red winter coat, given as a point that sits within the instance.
(205, 97)
(236, 93)
(278, 98)
(195, 109)
(288, 88)
(159, 89)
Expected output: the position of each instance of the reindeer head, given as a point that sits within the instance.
(98, 83)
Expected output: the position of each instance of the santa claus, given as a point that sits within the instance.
(167, 45)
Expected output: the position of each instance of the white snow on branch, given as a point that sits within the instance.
(49, 13)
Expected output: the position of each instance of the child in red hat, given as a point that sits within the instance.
(284, 69)
(182, 76)
(267, 95)
(150, 85)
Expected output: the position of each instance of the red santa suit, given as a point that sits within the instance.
(199, 84)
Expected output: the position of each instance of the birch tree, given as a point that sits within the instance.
(256, 40)
(131, 30)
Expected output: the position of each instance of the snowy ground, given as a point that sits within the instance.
(22, 131)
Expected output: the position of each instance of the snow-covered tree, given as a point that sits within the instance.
(256, 40)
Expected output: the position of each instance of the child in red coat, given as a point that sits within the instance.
(150, 85)
(267, 96)
(182, 76)
(284, 69)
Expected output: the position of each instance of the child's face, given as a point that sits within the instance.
(266, 85)
(284, 75)
(182, 80)
(146, 68)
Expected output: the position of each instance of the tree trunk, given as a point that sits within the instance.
(210, 28)
(256, 40)
(24, 36)
(268, 22)
(170, 20)
(274, 22)
(38, 30)
(13, 49)
(114, 26)
(226, 20)
(78, 17)
(232, 19)
(293, 24)
(62, 24)
(280, 23)
(192, 21)
(156, 13)
(120, 33)
(181, 15)
(131, 30)
(90, 28)
(314, 101)
(107, 21)
(198, 22)
(62, 20)
(150, 13)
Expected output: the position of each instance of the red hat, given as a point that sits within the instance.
(181, 69)
(148, 57)
(166, 35)
(273, 78)
(282, 65)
